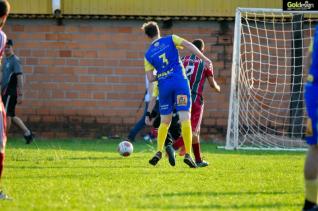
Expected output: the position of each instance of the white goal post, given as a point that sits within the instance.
(267, 108)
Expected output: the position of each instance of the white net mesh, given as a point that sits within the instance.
(267, 108)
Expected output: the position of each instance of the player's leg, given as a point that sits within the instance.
(311, 179)
(165, 108)
(162, 134)
(178, 143)
(183, 106)
(186, 132)
(10, 104)
(173, 133)
(169, 149)
(6, 102)
(3, 140)
(311, 164)
(196, 146)
(163, 130)
(9, 123)
(196, 120)
(28, 135)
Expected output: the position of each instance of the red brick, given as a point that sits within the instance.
(38, 53)
(58, 94)
(49, 118)
(71, 95)
(99, 95)
(90, 54)
(51, 61)
(51, 36)
(38, 28)
(18, 28)
(53, 45)
(39, 69)
(72, 62)
(85, 29)
(65, 53)
(57, 28)
(64, 37)
(86, 79)
(221, 122)
(52, 53)
(85, 95)
(92, 62)
(125, 29)
(32, 61)
(33, 118)
(24, 53)
(71, 29)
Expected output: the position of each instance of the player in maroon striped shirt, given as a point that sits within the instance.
(197, 73)
(4, 12)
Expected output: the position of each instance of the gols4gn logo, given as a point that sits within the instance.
(298, 5)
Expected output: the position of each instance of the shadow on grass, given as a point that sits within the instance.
(216, 194)
(77, 167)
(273, 206)
(98, 145)
(73, 144)
(220, 206)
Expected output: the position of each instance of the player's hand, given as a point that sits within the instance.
(217, 88)
(148, 121)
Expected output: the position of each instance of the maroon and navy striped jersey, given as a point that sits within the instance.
(196, 73)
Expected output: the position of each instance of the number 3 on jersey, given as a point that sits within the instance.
(164, 58)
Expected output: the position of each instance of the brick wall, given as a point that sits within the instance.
(86, 78)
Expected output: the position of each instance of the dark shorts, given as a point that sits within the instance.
(9, 102)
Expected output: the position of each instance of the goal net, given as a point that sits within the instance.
(267, 108)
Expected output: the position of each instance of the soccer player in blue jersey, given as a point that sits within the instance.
(174, 90)
(311, 97)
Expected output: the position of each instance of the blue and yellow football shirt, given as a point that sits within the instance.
(163, 56)
(313, 70)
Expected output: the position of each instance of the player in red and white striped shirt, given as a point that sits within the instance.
(197, 73)
(4, 12)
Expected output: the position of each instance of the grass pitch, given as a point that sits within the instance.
(90, 175)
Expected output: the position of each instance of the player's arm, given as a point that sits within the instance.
(18, 71)
(150, 88)
(213, 84)
(149, 71)
(152, 104)
(20, 87)
(307, 61)
(178, 41)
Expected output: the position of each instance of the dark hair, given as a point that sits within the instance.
(4, 8)
(9, 42)
(151, 29)
(199, 44)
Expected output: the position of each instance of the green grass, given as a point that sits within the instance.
(89, 174)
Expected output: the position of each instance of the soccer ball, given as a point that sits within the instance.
(125, 148)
